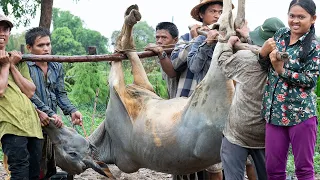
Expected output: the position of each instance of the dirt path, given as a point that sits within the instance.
(142, 174)
(89, 174)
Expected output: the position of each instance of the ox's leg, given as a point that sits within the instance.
(116, 77)
(226, 28)
(139, 74)
(240, 19)
(125, 44)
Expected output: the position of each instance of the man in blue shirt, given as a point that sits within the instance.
(50, 92)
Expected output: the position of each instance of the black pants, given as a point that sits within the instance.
(24, 154)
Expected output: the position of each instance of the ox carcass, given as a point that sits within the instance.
(142, 130)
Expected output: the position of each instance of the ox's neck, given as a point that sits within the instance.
(100, 138)
(213, 96)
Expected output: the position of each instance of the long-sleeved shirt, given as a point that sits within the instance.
(245, 126)
(289, 97)
(187, 82)
(199, 57)
(50, 91)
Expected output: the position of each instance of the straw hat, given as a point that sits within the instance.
(195, 11)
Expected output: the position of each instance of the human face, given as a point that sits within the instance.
(163, 38)
(4, 34)
(299, 20)
(211, 14)
(41, 46)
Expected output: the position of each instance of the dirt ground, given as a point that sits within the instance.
(89, 174)
(142, 174)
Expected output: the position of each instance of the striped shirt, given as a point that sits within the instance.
(50, 91)
(187, 82)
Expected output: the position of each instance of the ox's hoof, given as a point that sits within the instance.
(133, 17)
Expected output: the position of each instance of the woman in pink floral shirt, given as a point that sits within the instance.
(289, 103)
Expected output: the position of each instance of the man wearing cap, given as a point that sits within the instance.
(244, 133)
(20, 129)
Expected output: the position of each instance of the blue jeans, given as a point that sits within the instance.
(24, 154)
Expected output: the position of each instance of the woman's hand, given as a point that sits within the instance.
(276, 63)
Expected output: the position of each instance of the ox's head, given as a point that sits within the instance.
(74, 154)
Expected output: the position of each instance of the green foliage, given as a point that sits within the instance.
(22, 10)
(159, 85)
(66, 19)
(86, 37)
(63, 43)
(89, 37)
(88, 77)
(143, 34)
(15, 42)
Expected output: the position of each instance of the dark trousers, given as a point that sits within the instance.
(234, 158)
(24, 154)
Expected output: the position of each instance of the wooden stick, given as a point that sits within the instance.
(88, 58)
(94, 110)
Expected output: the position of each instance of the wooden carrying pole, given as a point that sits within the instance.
(88, 58)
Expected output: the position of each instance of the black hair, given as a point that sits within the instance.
(203, 8)
(33, 33)
(170, 27)
(310, 7)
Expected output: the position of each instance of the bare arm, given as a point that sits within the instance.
(4, 71)
(27, 87)
(165, 63)
(167, 67)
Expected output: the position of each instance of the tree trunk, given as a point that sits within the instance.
(46, 13)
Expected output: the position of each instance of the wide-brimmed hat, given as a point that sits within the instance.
(195, 11)
(265, 31)
(5, 19)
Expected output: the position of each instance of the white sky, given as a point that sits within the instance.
(106, 16)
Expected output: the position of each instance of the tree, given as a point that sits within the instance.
(46, 13)
(143, 34)
(22, 10)
(63, 43)
(15, 42)
(89, 37)
(87, 78)
(66, 19)
(86, 37)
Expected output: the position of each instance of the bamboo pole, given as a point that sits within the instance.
(88, 58)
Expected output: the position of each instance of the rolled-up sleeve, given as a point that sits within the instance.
(200, 52)
(41, 106)
(179, 55)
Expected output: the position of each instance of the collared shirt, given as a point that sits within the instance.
(50, 90)
(289, 97)
(187, 82)
(199, 57)
(245, 126)
(17, 114)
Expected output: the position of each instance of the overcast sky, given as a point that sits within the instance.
(106, 16)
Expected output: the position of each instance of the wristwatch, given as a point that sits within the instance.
(163, 55)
